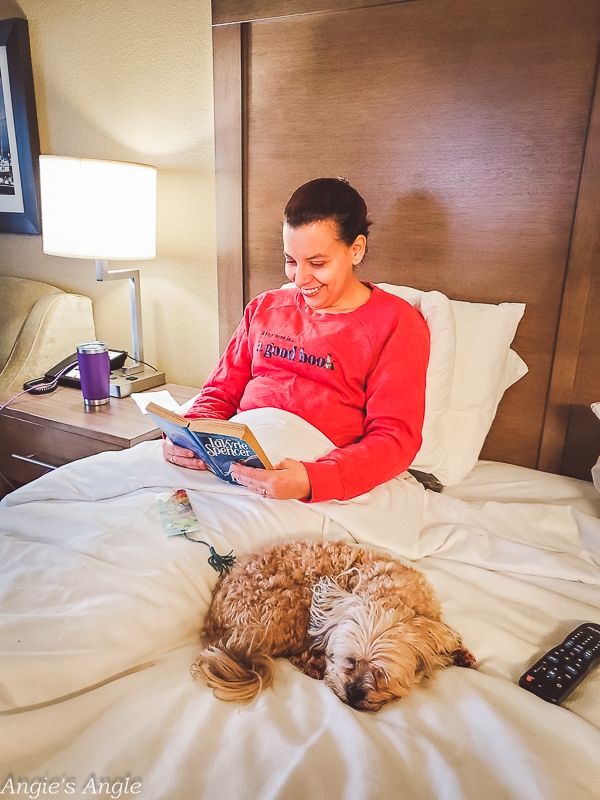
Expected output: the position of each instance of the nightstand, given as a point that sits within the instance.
(42, 432)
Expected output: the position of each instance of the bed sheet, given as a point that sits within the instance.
(100, 615)
(509, 483)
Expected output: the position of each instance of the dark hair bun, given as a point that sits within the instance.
(329, 198)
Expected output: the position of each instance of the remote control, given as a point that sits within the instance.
(561, 669)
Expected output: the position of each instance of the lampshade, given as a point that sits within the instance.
(98, 209)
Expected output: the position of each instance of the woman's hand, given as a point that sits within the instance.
(181, 457)
(288, 480)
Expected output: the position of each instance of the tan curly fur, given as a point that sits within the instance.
(359, 619)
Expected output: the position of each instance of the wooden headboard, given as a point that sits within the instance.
(472, 129)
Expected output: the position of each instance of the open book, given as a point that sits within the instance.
(217, 442)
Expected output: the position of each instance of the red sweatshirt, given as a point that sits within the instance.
(357, 377)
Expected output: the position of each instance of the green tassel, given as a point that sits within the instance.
(219, 563)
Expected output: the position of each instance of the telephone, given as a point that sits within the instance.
(70, 373)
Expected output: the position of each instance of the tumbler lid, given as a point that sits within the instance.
(92, 347)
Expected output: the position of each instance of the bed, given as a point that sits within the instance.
(491, 199)
(101, 612)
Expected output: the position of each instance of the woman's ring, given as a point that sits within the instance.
(264, 492)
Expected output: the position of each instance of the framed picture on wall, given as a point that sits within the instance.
(19, 137)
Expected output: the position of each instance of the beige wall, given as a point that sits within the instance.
(131, 80)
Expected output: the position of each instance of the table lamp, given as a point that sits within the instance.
(104, 210)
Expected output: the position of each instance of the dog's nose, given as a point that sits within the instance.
(355, 694)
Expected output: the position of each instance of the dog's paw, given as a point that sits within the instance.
(316, 668)
(312, 665)
(464, 658)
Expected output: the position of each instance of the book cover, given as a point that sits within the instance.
(219, 443)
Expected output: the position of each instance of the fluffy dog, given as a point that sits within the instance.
(359, 619)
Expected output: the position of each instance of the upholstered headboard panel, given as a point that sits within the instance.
(473, 132)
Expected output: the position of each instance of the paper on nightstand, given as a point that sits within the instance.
(163, 398)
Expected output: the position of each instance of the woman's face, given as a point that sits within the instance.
(322, 266)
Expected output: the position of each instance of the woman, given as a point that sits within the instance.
(342, 354)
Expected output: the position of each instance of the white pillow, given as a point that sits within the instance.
(484, 367)
(484, 333)
(437, 310)
(515, 369)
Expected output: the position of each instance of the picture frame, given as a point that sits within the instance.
(19, 135)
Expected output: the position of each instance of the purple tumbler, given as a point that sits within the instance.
(94, 371)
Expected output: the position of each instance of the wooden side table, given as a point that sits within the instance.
(42, 432)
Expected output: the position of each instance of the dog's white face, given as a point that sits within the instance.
(373, 654)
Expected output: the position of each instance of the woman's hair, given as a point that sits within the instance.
(329, 198)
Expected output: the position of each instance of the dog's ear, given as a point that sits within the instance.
(328, 602)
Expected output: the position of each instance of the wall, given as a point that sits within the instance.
(478, 154)
(131, 80)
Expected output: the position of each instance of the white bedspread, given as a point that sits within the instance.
(100, 612)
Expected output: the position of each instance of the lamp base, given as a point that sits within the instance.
(123, 385)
